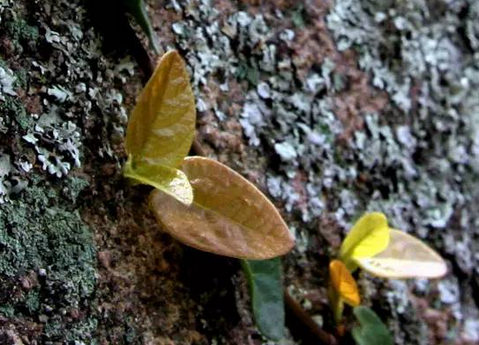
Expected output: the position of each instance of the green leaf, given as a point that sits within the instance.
(372, 330)
(137, 9)
(266, 286)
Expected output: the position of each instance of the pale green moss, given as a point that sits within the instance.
(42, 235)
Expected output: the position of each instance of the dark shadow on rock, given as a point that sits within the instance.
(208, 277)
(110, 19)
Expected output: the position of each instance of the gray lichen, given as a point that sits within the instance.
(7, 80)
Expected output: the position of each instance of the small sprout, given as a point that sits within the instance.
(372, 330)
(161, 129)
(342, 289)
(266, 285)
(344, 283)
(405, 257)
(229, 215)
(368, 237)
(383, 252)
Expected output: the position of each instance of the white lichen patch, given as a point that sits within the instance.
(7, 80)
(57, 143)
(5, 168)
(471, 330)
(69, 95)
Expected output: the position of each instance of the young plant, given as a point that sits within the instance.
(405, 257)
(383, 252)
(342, 289)
(199, 201)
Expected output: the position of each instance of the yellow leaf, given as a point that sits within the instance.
(368, 237)
(169, 180)
(161, 129)
(405, 257)
(229, 215)
(344, 283)
(162, 126)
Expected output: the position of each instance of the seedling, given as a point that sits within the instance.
(199, 201)
(383, 252)
(405, 257)
(387, 252)
(342, 289)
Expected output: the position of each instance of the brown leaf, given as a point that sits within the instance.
(229, 215)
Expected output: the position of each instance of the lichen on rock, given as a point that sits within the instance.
(334, 108)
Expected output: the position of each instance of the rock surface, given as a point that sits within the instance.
(332, 108)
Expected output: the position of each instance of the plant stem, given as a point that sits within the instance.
(299, 313)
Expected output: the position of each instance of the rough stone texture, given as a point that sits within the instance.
(332, 108)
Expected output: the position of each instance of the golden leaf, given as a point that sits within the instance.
(170, 180)
(344, 283)
(161, 129)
